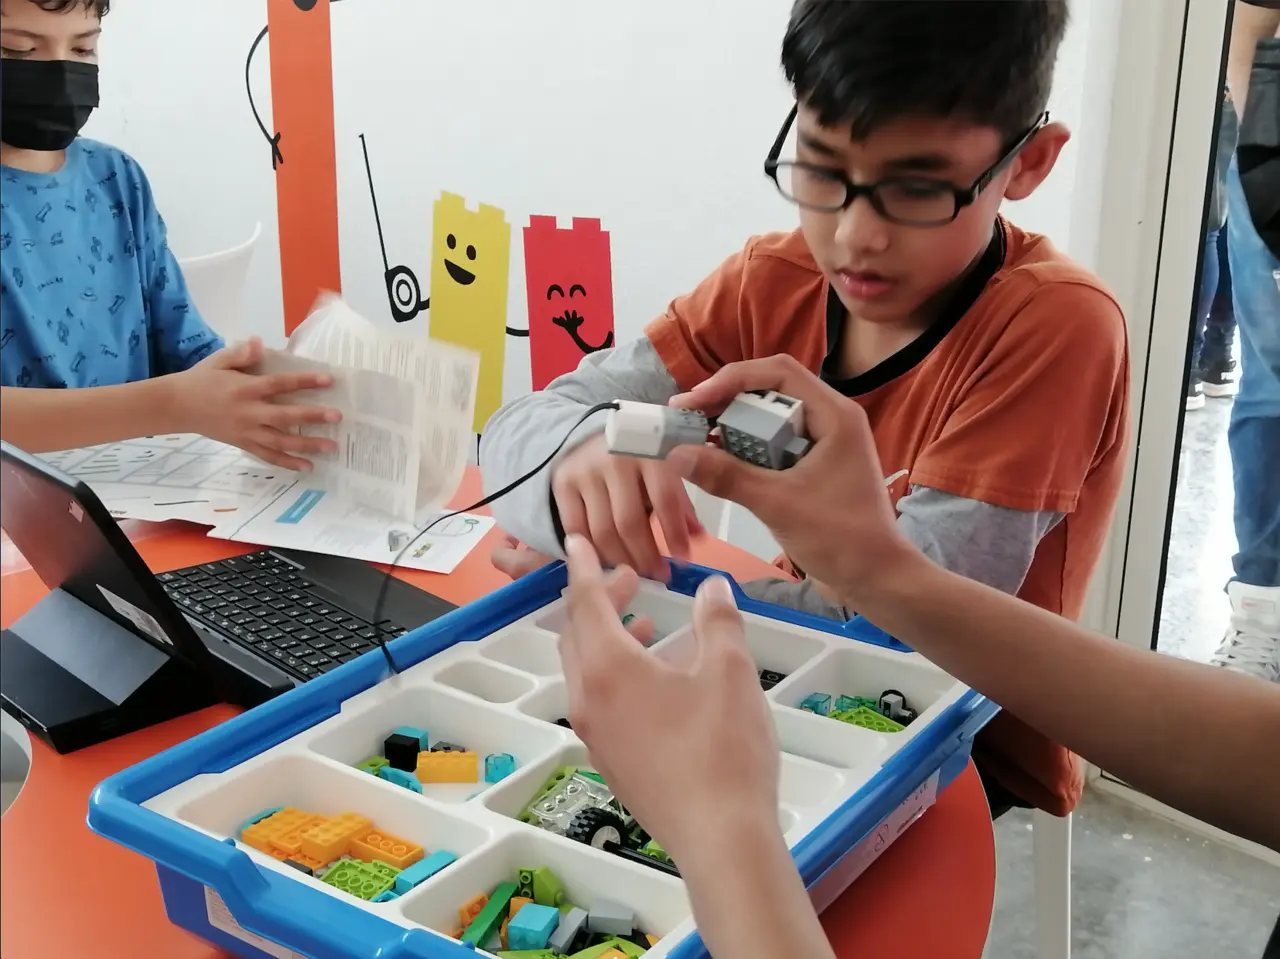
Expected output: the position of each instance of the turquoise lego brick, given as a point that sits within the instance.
(422, 870)
(413, 732)
(819, 703)
(489, 921)
(255, 819)
(532, 926)
(386, 896)
(498, 766)
(400, 778)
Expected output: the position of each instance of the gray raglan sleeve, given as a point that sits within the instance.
(994, 545)
(526, 431)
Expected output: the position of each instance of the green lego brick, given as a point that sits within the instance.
(372, 765)
(383, 868)
(591, 774)
(527, 954)
(359, 879)
(594, 952)
(490, 918)
(524, 883)
(547, 889)
(868, 719)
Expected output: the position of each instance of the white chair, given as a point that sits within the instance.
(217, 283)
(1051, 862)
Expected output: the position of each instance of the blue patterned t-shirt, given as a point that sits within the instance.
(90, 294)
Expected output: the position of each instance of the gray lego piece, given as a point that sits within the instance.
(611, 919)
(571, 924)
(760, 436)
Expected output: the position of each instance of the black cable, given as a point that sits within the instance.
(276, 156)
(386, 582)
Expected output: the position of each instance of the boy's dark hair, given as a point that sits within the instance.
(100, 7)
(867, 62)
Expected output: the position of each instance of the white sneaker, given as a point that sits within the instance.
(1252, 643)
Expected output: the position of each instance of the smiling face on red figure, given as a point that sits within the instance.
(567, 311)
(889, 273)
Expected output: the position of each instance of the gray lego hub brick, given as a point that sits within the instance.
(571, 924)
(611, 919)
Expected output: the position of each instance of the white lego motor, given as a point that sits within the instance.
(764, 428)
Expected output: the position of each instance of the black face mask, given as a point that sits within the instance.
(46, 102)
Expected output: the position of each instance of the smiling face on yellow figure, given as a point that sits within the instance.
(470, 267)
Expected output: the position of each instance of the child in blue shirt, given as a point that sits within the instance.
(99, 338)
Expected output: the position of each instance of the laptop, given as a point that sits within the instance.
(114, 647)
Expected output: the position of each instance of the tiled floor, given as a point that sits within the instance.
(1194, 613)
(1142, 889)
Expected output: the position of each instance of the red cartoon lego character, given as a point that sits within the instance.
(569, 275)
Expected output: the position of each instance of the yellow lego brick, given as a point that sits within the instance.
(298, 857)
(375, 844)
(329, 840)
(652, 940)
(448, 767)
(472, 909)
(275, 826)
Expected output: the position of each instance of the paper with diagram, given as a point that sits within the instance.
(441, 378)
(312, 519)
(180, 476)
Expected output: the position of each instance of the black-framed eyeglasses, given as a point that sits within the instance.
(906, 200)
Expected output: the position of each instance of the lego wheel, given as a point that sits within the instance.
(595, 827)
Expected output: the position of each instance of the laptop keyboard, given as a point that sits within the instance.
(263, 603)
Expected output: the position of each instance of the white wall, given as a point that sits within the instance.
(653, 116)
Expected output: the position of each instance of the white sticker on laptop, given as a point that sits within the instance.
(140, 618)
(220, 918)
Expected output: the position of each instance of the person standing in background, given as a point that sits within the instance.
(1213, 369)
(1252, 641)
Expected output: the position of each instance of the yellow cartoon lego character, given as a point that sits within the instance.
(470, 268)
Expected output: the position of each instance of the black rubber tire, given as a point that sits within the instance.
(595, 827)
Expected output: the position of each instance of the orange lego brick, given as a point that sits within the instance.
(448, 767)
(375, 844)
(291, 842)
(652, 940)
(278, 824)
(329, 840)
(517, 903)
(502, 933)
(472, 909)
(456, 934)
(613, 954)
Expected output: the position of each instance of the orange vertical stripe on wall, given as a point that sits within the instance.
(307, 180)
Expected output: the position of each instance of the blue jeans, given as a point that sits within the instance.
(1215, 311)
(1254, 434)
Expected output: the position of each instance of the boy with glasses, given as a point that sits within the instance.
(994, 370)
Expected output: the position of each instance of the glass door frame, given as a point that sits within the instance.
(1182, 60)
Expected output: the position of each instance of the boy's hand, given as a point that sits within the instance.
(830, 512)
(635, 713)
(610, 500)
(217, 398)
(516, 559)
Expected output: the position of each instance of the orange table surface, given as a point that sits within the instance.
(67, 892)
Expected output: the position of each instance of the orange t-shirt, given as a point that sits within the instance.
(1020, 401)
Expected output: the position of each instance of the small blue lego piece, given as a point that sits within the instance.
(414, 733)
(400, 778)
(386, 896)
(819, 703)
(498, 766)
(422, 870)
(532, 926)
(255, 819)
